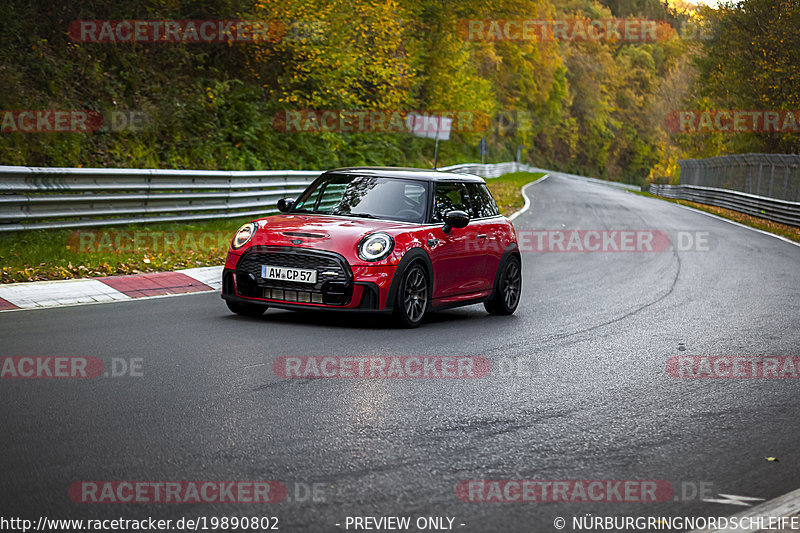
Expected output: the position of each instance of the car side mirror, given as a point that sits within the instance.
(455, 219)
(285, 204)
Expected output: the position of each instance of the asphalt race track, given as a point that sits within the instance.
(593, 401)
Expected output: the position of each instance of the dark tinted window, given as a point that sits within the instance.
(450, 196)
(483, 205)
(365, 196)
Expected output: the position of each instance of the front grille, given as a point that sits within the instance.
(334, 284)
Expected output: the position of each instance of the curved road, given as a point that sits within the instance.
(595, 330)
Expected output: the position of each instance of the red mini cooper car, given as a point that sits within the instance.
(397, 240)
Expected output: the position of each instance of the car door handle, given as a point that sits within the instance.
(481, 235)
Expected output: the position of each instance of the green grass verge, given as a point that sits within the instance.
(790, 232)
(507, 189)
(38, 255)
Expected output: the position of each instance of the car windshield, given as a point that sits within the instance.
(366, 197)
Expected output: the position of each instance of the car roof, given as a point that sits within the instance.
(407, 173)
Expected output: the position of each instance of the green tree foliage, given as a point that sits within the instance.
(597, 108)
(751, 61)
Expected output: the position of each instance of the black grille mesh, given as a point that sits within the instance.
(334, 278)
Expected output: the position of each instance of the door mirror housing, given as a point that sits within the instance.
(455, 219)
(285, 204)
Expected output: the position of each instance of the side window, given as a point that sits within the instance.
(483, 205)
(449, 196)
(331, 196)
(311, 200)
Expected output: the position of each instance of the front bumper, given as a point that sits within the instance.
(339, 286)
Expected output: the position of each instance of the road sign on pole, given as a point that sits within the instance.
(430, 127)
(483, 149)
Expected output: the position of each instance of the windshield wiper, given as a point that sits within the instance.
(360, 215)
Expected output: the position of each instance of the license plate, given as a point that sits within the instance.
(300, 275)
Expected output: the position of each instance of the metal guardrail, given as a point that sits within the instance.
(768, 175)
(762, 185)
(751, 204)
(42, 198)
(489, 171)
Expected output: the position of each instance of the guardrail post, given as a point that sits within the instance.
(741, 175)
(771, 178)
(748, 176)
(798, 190)
(758, 180)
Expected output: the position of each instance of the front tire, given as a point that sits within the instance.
(411, 302)
(509, 289)
(246, 309)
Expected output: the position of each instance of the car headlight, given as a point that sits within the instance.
(375, 246)
(244, 235)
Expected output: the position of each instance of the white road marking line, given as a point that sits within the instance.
(93, 302)
(732, 499)
(70, 292)
(782, 506)
(780, 237)
(527, 203)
